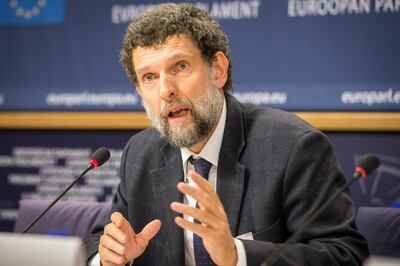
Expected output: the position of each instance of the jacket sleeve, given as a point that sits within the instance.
(312, 175)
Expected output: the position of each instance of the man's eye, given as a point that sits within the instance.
(182, 65)
(148, 77)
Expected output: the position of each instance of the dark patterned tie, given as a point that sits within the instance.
(201, 257)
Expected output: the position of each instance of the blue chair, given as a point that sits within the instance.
(72, 218)
(381, 227)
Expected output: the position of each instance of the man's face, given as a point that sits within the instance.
(178, 91)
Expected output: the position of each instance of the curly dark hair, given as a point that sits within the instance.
(157, 23)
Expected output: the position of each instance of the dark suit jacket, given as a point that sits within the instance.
(274, 171)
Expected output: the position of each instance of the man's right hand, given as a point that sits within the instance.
(119, 244)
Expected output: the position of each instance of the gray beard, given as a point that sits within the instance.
(205, 112)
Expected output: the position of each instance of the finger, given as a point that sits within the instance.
(197, 229)
(150, 230)
(197, 193)
(119, 220)
(200, 215)
(203, 184)
(205, 201)
(110, 256)
(113, 231)
(113, 245)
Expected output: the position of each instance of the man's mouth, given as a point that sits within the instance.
(178, 112)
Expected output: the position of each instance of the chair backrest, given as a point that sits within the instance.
(73, 217)
(381, 228)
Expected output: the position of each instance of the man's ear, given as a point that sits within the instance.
(220, 65)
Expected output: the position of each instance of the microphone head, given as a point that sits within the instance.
(367, 164)
(99, 157)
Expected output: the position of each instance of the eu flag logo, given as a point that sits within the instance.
(27, 12)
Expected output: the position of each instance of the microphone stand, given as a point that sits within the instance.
(88, 168)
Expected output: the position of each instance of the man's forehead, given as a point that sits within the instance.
(175, 39)
(173, 47)
(160, 43)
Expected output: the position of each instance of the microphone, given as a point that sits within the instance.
(367, 164)
(99, 157)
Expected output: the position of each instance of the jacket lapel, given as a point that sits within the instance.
(231, 173)
(165, 191)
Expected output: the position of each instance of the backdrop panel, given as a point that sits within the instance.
(292, 54)
(40, 164)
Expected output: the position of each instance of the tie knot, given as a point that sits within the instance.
(201, 166)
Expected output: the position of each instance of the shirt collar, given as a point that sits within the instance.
(210, 151)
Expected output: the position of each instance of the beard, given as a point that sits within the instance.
(205, 111)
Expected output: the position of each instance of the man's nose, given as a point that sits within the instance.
(168, 88)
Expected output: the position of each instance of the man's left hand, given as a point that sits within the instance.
(214, 228)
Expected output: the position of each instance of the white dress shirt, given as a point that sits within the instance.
(210, 152)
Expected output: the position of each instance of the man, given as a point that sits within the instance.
(267, 170)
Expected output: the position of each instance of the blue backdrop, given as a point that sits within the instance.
(291, 54)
